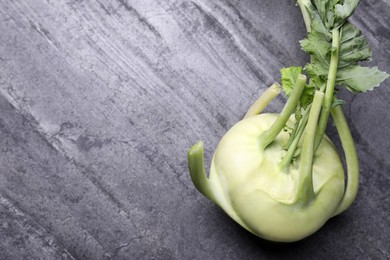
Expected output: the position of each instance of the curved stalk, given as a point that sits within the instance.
(305, 181)
(197, 171)
(263, 101)
(351, 159)
(268, 136)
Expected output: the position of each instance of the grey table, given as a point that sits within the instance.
(100, 100)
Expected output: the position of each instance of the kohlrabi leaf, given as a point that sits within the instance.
(333, 13)
(325, 9)
(318, 25)
(317, 70)
(356, 78)
(360, 79)
(353, 46)
(343, 10)
(289, 76)
(317, 45)
(322, 7)
(337, 102)
(307, 95)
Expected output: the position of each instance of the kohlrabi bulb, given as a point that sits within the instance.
(249, 185)
(281, 185)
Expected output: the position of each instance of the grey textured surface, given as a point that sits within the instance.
(100, 100)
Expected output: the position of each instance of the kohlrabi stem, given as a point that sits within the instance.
(293, 133)
(305, 179)
(339, 120)
(269, 135)
(303, 5)
(294, 144)
(351, 159)
(197, 171)
(330, 85)
(263, 101)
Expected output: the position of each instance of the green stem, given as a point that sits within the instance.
(197, 171)
(303, 5)
(305, 182)
(343, 130)
(351, 159)
(268, 136)
(263, 101)
(330, 85)
(294, 144)
(293, 133)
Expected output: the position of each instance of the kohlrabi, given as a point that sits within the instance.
(278, 175)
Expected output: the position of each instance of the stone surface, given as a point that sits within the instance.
(100, 100)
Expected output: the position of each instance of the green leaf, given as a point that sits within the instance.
(353, 46)
(360, 79)
(325, 9)
(318, 25)
(289, 76)
(307, 96)
(317, 45)
(316, 74)
(322, 7)
(349, 31)
(329, 14)
(316, 69)
(337, 102)
(353, 49)
(343, 11)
